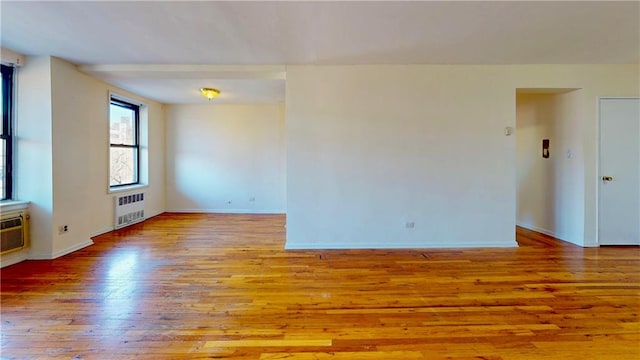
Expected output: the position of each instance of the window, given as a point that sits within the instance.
(124, 151)
(6, 148)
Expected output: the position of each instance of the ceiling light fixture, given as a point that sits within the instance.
(210, 93)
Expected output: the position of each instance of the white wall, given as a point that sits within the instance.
(370, 148)
(33, 177)
(373, 147)
(62, 155)
(218, 154)
(81, 155)
(550, 191)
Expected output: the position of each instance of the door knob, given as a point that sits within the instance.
(607, 178)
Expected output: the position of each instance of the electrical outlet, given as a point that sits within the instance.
(252, 198)
(63, 229)
(410, 224)
(229, 202)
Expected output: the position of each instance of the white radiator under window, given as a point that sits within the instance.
(129, 209)
(14, 231)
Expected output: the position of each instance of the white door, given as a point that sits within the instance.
(619, 191)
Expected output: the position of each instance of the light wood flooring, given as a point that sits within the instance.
(183, 286)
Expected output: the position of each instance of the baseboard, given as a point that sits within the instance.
(539, 229)
(72, 248)
(62, 252)
(314, 246)
(549, 233)
(112, 227)
(101, 231)
(155, 214)
(14, 257)
(228, 211)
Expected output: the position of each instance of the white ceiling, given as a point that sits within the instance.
(180, 84)
(280, 33)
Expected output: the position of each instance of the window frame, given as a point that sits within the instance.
(8, 74)
(114, 100)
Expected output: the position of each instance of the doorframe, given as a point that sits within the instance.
(598, 140)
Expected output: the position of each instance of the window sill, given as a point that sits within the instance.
(13, 205)
(121, 189)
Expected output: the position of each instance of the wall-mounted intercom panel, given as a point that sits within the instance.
(545, 148)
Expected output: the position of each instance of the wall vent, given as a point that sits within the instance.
(14, 230)
(129, 209)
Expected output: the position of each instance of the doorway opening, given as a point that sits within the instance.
(550, 162)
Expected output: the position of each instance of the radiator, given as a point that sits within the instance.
(129, 209)
(14, 231)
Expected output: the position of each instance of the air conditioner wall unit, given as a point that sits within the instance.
(14, 231)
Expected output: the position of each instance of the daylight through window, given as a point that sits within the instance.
(6, 148)
(124, 119)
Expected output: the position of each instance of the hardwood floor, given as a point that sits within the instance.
(221, 286)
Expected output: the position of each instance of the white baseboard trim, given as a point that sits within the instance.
(228, 211)
(62, 252)
(11, 259)
(72, 248)
(314, 246)
(154, 214)
(112, 227)
(101, 231)
(550, 233)
(14, 257)
(539, 229)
